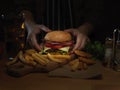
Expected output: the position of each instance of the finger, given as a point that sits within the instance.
(78, 43)
(83, 43)
(35, 43)
(68, 30)
(28, 40)
(74, 32)
(28, 36)
(44, 28)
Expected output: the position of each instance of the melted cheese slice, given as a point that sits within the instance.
(65, 49)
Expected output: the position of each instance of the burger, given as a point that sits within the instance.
(57, 42)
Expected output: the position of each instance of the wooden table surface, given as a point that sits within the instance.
(40, 81)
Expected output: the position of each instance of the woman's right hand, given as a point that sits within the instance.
(33, 30)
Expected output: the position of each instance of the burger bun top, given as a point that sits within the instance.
(58, 36)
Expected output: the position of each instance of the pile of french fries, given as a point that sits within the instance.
(82, 61)
(32, 57)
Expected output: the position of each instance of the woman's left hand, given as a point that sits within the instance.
(81, 38)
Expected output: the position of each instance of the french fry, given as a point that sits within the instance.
(15, 59)
(28, 56)
(54, 59)
(30, 51)
(38, 60)
(80, 67)
(21, 56)
(24, 59)
(82, 54)
(73, 61)
(30, 60)
(67, 57)
(74, 65)
(87, 60)
(85, 66)
(43, 58)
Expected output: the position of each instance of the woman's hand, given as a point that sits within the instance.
(32, 29)
(81, 38)
(32, 33)
(81, 35)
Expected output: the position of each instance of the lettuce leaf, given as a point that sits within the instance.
(97, 49)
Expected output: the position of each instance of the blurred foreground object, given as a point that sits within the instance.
(112, 51)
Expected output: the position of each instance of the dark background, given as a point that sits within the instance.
(111, 15)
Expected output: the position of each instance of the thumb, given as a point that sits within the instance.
(35, 43)
(28, 36)
(68, 30)
(44, 28)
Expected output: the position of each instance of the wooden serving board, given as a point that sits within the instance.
(54, 69)
(20, 69)
(93, 72)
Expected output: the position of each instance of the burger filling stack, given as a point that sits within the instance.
(57, 42)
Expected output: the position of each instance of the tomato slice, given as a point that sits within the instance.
(69, 43)
(48, 45)
(56, 45)
(53, 46)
